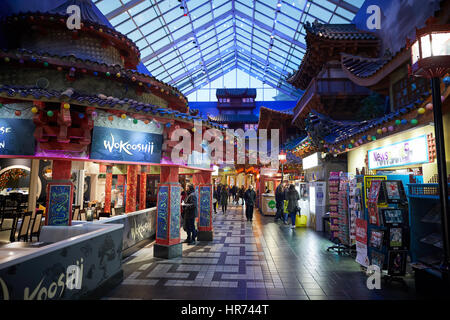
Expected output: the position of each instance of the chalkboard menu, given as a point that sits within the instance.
(12, 133)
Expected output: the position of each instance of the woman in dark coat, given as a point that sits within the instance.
(224, 198)
(215, 199)
(292, 197)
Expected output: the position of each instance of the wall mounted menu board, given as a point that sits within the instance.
(125, 145)
(12, 132)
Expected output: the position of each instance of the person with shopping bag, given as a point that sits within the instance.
(292, 207)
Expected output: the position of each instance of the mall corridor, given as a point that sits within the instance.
(251, 261)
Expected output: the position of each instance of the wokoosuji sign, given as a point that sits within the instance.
(125, 145)
(408, 152)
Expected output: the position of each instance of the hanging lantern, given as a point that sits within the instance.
(66, 106)
(108, 74)
(379, 131)
(421, 111)
(34, 110)
(123, 116)
(146, 121)
(110, 118)
(45, 64)
(404, 121)
(398, 122)
(374, 138)
(369, 138)
(414, 122)
(391, 128)
(118, 74)
(135, 121)
(360, 141)
(7, 59)
(50, 113)
(384, 129)
(59, 68)
(81, 115)
(94, 114)
(133, 79)
(18, 113)
(429, 107)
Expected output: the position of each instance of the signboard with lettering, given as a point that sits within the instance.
(124, 145)
(408, 152)
(59, 204)
(205, 206)
(163, 212)
(12, 132)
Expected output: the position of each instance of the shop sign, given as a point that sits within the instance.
(12, 132)
(408, 152)
(311, 162)
(124, 145)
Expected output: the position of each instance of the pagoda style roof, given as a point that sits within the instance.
(325, 42)
(362, 67)
(234, 118)
(236, 93)
(268, 116)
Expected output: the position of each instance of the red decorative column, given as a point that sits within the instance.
(204, 188)
(143, 188)
(61, 170)
(132, 172)
(108, 186)
(168, 244)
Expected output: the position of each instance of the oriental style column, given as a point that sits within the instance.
(168, 244)
(108, 186)
(132, 172)
(60, 195)
(143, 188)
(204, 188)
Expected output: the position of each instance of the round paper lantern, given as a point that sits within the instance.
(81, 115)
(123, 116)
(45, 64)
(369, 138)
(140, 83)
(421, 111)
(384, 129)
(95, 73)
(34, 110)
(50, 113)
(146, 121)
(66, 106)
(414, 122)
(18, 113)
(350, 146)
(133, 79)
(398, 122)
(94, 114)
(7, 59)
(59, 68)
(360, 141)
(442, 98)
(374, 138)
(168, 125)
(429, 107)
(391, 128)
(352, 141)
(110, 118)
(135, 121)
(404, 121)
(108, 74)
(118, 74)
(195, 129)
(379, 131)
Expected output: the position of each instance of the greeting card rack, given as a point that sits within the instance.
(339, 213)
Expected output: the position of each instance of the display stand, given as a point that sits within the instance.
(339, 213)
(388, 230)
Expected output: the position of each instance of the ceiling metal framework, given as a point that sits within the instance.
(190, 43)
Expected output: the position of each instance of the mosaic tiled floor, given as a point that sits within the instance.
(258, 260)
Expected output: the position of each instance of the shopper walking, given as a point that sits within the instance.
(292, 198)
(215, 199)
(224, 199)
(190, 208)
(279, 199)
(250, 200)
(241, 194)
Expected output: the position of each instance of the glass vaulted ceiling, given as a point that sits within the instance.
(190, 43)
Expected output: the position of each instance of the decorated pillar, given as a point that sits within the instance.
(60, 195)
(204, 188)
(143, 188)
(34, 185)
(108, 186)
(168, 244)
(132, 172)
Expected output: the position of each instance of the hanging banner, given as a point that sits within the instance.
(124, 145)
(59, 204)
(12, 132)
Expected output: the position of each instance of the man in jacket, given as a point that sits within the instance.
(279, 199)
(190, 210)
(250, 200)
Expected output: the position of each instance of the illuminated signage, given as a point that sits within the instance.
(408, 152)
(124, 145)
(311, 161)
(11, 133)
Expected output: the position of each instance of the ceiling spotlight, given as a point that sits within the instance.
(279, 4)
